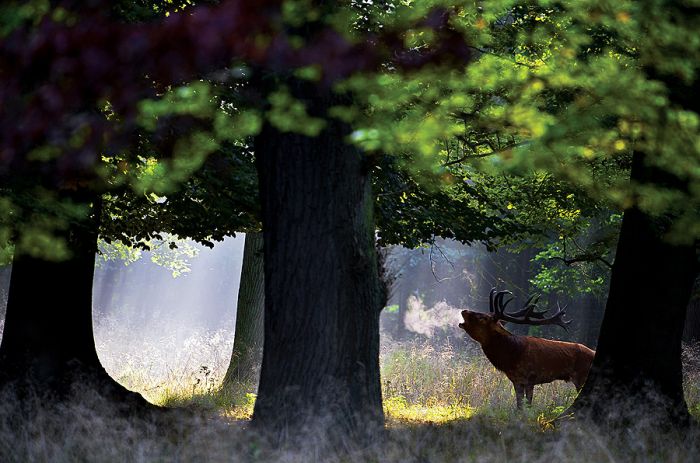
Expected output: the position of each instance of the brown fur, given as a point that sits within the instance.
(527, 360)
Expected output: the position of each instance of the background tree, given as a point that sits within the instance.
(249, 334)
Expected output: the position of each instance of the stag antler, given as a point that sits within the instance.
(528, 315)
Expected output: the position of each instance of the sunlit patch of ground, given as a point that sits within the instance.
(398, 411)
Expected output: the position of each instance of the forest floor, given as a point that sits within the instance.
(442, 403)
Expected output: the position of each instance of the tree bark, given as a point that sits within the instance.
(48, 344)
(637, 368)
(248, 339)
(691, 332)
(322, 291)
(593, 312)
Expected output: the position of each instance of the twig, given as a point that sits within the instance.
(512, 60)
(484, 155)
(432, 263)
(583, 258)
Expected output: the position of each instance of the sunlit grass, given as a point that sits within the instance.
(398, 410)
(422, 382)
(691, 378)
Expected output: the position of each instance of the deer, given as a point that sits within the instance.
(527, 360)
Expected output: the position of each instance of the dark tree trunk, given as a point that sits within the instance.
(691, 332)
(637, 368)
(503, 269)
(322, 291)
(593, 314)
(48, 340)
(248, 339)
(520, 279)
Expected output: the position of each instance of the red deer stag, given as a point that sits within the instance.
(527, 360)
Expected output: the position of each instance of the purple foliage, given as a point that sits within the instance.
(54, 76)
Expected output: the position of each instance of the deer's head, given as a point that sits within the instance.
(481, 325)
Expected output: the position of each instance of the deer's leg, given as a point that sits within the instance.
(519, 392)
(528, 393)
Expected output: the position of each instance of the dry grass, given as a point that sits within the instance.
(424, 383)
(443, 403)
(691, 378)
(171, 369)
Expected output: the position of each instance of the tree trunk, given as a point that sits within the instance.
(637, 368)
(322, 291)
(404, 293)
(691, 332)
(48, 343)
(503, 269)
(593, 312)
(248, 339)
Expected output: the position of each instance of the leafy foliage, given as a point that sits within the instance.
(168, 252)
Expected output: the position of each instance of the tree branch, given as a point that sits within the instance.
(583, 258)
(483, 155)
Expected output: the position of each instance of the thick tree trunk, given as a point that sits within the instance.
(322, 291)
(637, 368)
(248, 339)
(691, 332)
(48, 340)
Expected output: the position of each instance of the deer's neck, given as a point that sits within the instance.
(502, 348)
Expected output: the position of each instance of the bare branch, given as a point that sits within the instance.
(484, 155)
(432, 263)
(583, 258)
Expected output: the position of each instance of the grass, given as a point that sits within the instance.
(429, 384)
(443, 402)
(422, 382)
(691, 378)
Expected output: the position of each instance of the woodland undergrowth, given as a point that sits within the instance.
(443, 401)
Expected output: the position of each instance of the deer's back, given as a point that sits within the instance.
(537, 360)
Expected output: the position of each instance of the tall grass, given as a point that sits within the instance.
(172, 368)
(443, 401)
(691, 378)
(422, 381)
